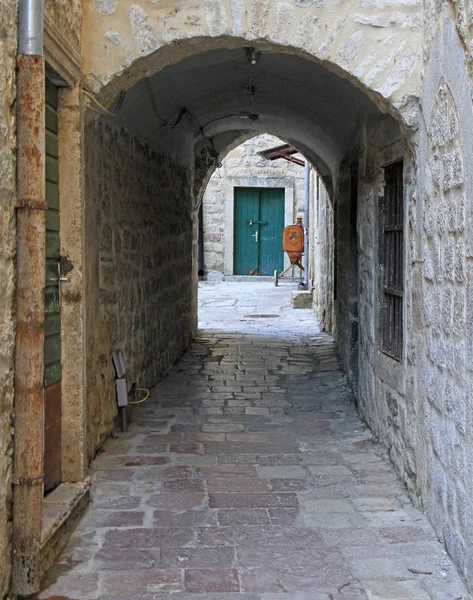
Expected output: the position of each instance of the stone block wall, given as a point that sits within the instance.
(323, 254)
(421, 408)
(138, 268)
(386, 395)
(444, 247)
(346, 287)
(243, 166)
(8, 37)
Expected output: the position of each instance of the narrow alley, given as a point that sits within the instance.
(249, 475)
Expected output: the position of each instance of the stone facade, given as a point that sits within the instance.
(138, 268)
(421, 407)
(244, 167)
(322, 255)
(378, 46)
(8, 28)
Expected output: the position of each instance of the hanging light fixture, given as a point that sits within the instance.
(252, 56)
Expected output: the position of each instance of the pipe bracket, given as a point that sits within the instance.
(29, 481)
(31, 204)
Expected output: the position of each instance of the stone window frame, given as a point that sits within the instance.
(259, 182)
(392, 261)
(63, 68)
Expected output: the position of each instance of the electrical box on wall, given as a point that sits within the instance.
(122, 392)
(119, 364)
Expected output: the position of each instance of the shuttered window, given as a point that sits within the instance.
(392, 261)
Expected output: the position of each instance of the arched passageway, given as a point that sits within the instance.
(378, 100)
(164, 114)
(148, 163)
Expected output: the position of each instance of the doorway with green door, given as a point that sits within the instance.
(258, 226)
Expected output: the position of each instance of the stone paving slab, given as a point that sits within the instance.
(248, 475)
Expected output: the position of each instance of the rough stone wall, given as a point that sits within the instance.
(323, 255)
(386, 395)
(242, 162)
(445, 223)
(422, 408)
(8, 28)
(346, 266)
(138, 268)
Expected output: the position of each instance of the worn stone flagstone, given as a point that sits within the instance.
(248, 475)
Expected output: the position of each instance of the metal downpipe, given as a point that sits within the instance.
(31, 206)
(306, 220)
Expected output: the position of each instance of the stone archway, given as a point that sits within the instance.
(181, 107)
(378, 50)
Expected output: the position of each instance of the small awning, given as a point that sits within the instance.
(285, 151)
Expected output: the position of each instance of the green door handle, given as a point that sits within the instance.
(257, 223)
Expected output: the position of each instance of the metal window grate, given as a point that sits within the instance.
(392, 238)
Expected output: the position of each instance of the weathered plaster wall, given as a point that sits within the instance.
(323, 255)
(241, 163)
(8, 28)
(66, 16)
(138, 268)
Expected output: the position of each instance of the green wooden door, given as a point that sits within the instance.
(246, 217)
(258, 227)
(271, 256)
(52, 324)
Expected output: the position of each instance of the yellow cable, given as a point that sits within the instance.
(143, 399)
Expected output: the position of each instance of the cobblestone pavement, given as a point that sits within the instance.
(249, 476)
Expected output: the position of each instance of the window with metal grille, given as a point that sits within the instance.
(392, 261)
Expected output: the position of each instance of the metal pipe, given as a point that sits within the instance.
(30, 27)
(306, 220)
(29, 358)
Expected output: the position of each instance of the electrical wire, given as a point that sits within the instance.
(149, 89)
(201, 130)
(141, 399)
(102, 108)
(165, 123)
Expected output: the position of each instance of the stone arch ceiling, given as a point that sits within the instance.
(295, 99)
(319, 69)
(375, 43)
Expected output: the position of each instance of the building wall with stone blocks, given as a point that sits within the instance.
(445, 226)
(422, 408)
(243, 166)
(377, 44)
(323, 254)
(138, 268)
(414, 59)
(8, 38)
(346, 299)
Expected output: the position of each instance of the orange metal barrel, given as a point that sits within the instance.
(293, 243)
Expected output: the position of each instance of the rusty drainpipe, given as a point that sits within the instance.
(31, 209)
